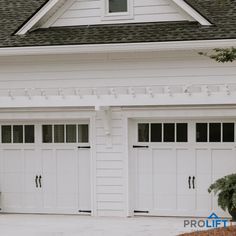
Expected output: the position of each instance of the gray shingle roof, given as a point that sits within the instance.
(13, 13)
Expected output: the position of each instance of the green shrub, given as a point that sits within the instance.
(226, 190)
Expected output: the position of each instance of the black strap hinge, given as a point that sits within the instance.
(146, 212)
(137, 146)
(85, 211)
(84, 147)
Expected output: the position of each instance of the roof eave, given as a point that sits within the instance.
(124, 47)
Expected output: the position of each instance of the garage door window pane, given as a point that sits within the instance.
(83, 133)
(169, 132)
(156, 132)
(228, 132)
(6, 134)
(47, 133)
(71, 133)
(29, 133)
(59, 135)
(143, 132)
(18, 134)
(182, 132)
(201, 132)
(118, 6)
(215, 132)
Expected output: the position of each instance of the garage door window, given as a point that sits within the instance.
(215, 132)
(163, 132)
(17, 134)
(143, 132)
(228, 132)
(6, 134)
(29, 134)
(169, 132)
(83, 133)
(182, 132)
(59, 133)
(69, 133)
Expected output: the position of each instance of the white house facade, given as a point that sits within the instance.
(107, 108)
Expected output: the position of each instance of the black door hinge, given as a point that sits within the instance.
(137, 146)
(85, 211)
(146, 212)
(84, 147)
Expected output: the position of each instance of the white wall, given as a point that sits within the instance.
(120, 69)
(91, 12)
(112, 70)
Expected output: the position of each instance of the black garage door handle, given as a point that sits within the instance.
(193, 182)
(36, 181)
(40, 184)
(189, 182)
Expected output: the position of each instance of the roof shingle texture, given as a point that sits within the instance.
(13, 13)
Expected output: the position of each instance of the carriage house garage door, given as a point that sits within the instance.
(45, 168)
(175, 162)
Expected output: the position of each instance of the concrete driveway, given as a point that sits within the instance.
(61, 225)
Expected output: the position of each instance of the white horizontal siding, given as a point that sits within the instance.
(91, 12)
(111, 189)
(104, 181)
(110, 167)
(112, 70)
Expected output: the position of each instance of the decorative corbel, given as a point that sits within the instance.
(105, 115)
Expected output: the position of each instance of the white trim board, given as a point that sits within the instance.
(52, 6)
(42, 15)
(120, 96)
(192, 12)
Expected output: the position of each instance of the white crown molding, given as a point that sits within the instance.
(124, 47)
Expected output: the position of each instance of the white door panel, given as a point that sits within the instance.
(203, 181)
(185, 173)
(13, 160)
(144, 179)
(49, 179)
(223, 163)
(12, 197)
(84, 178)
(32, 193)
(164, 171)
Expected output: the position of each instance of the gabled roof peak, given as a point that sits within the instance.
(51, 7)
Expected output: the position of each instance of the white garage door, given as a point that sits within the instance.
(45, 168)
(175, 163)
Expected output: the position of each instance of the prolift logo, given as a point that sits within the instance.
(213, 221)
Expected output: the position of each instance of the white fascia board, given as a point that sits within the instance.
(37, 17)
(124, 47)
(192, 12)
